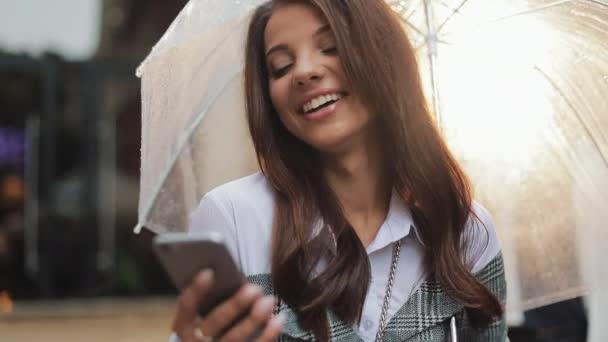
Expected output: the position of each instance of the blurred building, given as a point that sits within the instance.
(69, 147)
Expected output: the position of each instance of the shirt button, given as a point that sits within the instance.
(367, 324)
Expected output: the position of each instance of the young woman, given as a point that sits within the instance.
(361, 224)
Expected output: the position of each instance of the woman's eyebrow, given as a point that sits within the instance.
(322, 30)
(281, 47)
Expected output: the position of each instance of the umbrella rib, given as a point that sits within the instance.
(406, 20)
(528, 11)
(599, 2)
(576, 113)
(413, 11)
(531, 10)
(417, 30)
(453, 14)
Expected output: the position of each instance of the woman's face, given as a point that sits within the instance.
(307, 84)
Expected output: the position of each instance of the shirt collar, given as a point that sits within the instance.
(398, 224)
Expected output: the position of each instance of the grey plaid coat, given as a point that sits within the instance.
(423, 318)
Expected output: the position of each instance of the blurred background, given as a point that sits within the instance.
(71, 268)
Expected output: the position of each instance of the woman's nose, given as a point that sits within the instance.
(307, 71)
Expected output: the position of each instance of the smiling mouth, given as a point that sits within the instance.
(321, 102)
(326, 104)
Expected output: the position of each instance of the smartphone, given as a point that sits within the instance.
(183, 255)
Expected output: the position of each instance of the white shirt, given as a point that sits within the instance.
(243, 212)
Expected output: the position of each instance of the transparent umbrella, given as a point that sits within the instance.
(519, 88)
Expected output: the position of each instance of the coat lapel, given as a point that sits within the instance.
(339, 331)
(429, 306)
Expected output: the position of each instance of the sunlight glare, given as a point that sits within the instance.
(497, 105)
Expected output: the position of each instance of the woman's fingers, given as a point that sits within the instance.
(187, 304)
(225, 313)
(257, 318)
(273, 329)
(248, 300)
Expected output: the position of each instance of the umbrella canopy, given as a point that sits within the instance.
(194, 134)
(519, 88)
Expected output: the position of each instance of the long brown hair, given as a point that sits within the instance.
(380, 62)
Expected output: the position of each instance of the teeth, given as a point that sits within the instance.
(319, 101)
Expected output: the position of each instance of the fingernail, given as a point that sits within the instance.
(267, 303)
(251, 290)
(206, 275)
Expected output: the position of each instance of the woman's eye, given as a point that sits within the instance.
(276, 73)
(330, 50)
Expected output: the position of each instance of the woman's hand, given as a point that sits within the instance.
(190, 327)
